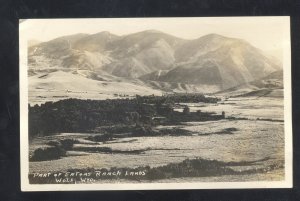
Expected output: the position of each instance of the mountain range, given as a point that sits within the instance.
(155, 60)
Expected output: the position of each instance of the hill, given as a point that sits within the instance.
(270, 86)
(59, 85)
(160, 61)
(220, 61)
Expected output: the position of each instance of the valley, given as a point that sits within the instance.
(228, 141)
(165, 108)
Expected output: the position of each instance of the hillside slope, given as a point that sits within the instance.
(164, 62)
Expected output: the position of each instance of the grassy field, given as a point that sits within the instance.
(225, 141)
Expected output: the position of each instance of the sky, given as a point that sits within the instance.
(266, 33)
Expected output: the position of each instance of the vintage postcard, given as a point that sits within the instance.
(155, 103)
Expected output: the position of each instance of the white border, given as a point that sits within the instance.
(287, 183)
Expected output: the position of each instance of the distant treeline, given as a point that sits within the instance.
(177, 98)
(74, 115)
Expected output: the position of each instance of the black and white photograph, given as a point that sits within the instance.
(155, 103)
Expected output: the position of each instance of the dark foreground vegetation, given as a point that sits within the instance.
(54, 150)
(188, 168)
(74, 115)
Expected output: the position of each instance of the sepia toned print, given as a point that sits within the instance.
(155, 103)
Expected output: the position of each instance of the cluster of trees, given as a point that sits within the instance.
(74, 115)
(56, 150)
(177, 98)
